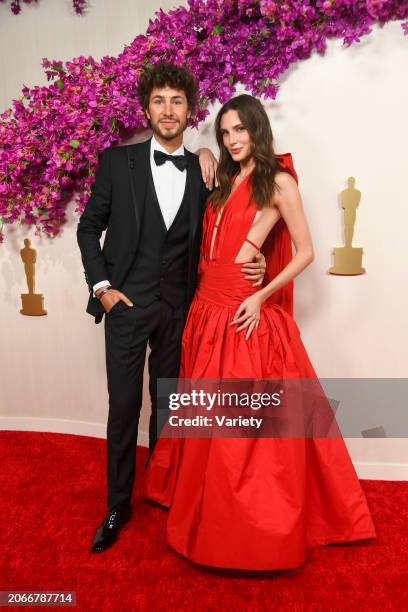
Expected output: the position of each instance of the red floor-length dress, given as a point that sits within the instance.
(251, 503)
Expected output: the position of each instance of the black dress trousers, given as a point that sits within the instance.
(127, 332)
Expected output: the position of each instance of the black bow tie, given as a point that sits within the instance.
(180, 161)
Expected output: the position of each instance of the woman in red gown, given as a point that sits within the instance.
(252, 503)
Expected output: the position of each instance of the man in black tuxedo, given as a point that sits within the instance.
(150, 198)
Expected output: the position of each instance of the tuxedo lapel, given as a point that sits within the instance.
(194, 178)
(156, 199)
(138, 157)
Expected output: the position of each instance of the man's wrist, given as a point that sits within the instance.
(103, 283)
(100, 292)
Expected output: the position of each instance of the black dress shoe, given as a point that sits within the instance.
(108, 532)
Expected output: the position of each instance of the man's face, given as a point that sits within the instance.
(168, 112)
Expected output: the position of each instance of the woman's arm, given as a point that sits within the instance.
(289, 202)
(290, 205)
(208, 165)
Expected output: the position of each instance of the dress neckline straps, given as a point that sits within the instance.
(234, 178)
(231, 195)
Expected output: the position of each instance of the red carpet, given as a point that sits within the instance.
(53, 499)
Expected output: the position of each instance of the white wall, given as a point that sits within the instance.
(342, 114)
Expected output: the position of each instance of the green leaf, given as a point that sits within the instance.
(203, 101)
(43, 212)
(218, 30)
(230, 79)
(58, 68)
(60, 85)
(74, 144)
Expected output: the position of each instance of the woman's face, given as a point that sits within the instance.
(235, 136)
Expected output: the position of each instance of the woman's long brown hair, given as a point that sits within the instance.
(254, 118)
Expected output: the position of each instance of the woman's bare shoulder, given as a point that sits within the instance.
(285, 187)
(285, 180)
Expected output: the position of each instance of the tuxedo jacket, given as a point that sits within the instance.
(116, 204)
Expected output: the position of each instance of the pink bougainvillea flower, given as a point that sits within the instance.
(52, 135)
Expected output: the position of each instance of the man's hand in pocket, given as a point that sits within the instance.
(111, 297)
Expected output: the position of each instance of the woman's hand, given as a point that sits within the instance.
(208, 165)
(248, 314)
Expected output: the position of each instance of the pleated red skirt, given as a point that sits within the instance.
(252, 503)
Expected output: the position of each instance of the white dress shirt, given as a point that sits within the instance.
(169, 183)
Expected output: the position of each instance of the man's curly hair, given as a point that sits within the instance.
(162, 74)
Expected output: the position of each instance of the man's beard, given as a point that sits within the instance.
(167, 134)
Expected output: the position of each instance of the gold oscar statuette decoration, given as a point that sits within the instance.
(348, 259)
(33, 303)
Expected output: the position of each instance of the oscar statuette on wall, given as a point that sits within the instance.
(348, 259)
(33, 303)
